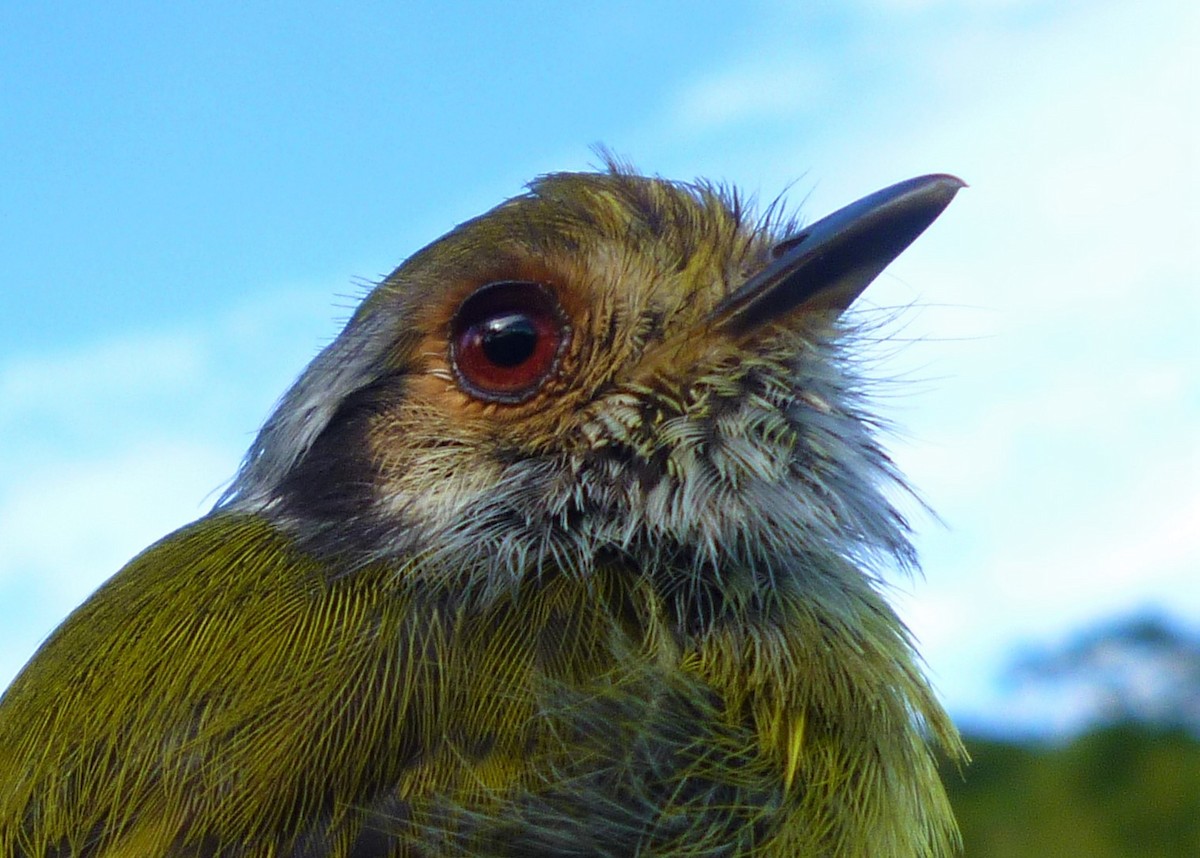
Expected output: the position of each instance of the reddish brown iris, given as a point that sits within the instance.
(505, 340)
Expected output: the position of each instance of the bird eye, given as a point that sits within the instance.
(506, 339)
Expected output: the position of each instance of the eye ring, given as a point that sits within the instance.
(506, 340)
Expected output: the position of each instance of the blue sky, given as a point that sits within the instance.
(194, 198)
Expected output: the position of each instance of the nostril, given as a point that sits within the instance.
(789, 244)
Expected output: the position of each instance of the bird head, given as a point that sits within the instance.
(606, 369)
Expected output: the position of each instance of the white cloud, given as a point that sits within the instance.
(67, 529)
(750, 93)
(155, 422)
(40, 380)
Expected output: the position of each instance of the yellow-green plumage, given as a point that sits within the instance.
(632, 614)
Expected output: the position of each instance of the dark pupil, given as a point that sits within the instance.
(509, 340)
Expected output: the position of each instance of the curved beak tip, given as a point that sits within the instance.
(831, 261)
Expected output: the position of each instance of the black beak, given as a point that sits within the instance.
(829, 263)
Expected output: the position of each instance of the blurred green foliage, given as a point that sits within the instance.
(1128, 786)
(1122, 790)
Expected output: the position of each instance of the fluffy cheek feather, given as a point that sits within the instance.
(746, 466)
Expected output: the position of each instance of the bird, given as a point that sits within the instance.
(573, 542)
